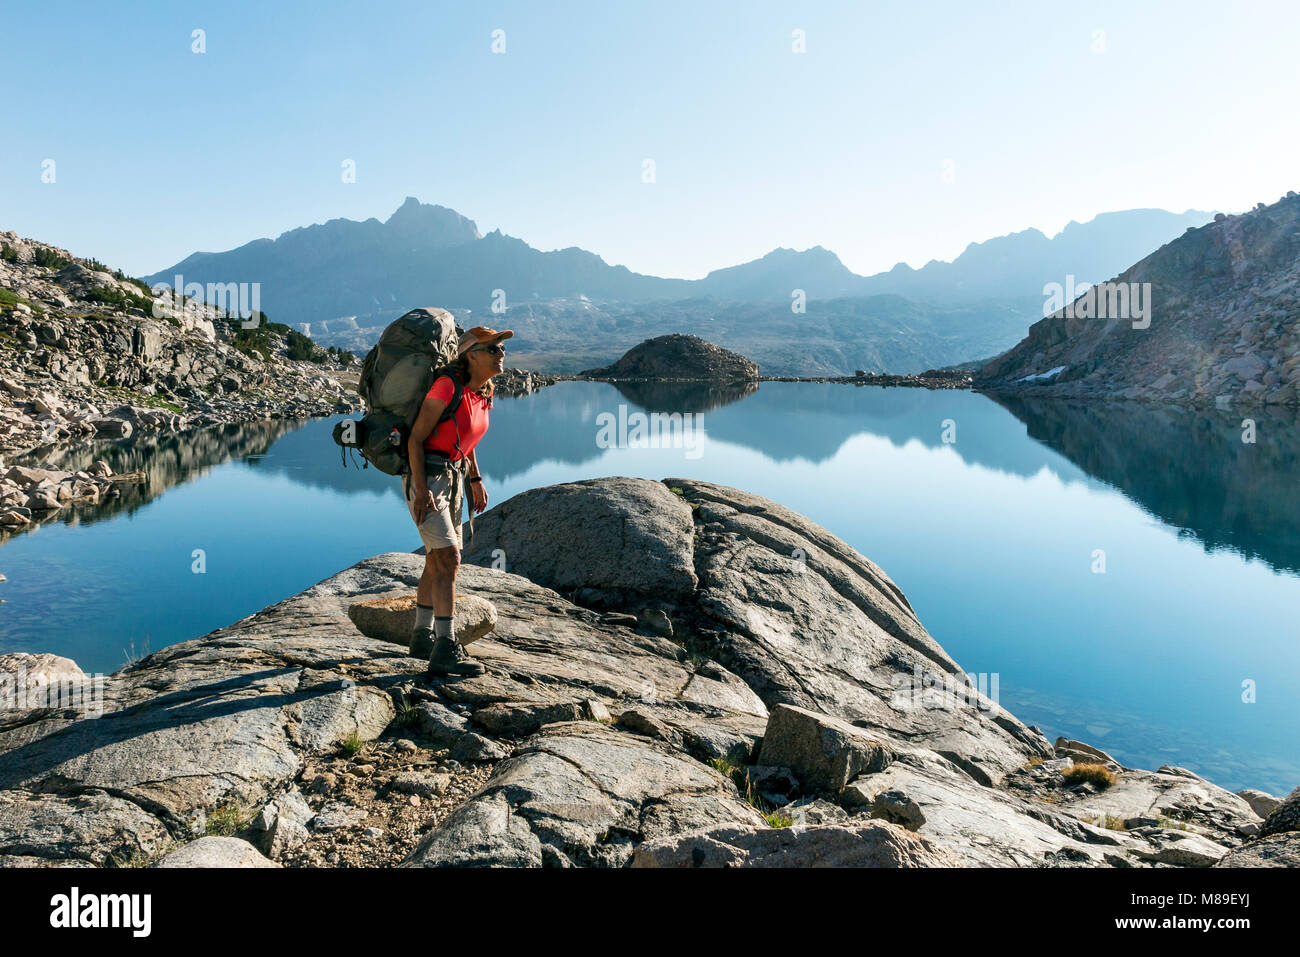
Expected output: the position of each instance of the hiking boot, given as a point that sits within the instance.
(421, 645)
(450, 658)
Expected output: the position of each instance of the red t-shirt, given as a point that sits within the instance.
(471, 419)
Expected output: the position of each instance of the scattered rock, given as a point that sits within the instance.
(1284, 817)
(475, 747)
(216, 852)
(825, 753)
(1260, 802)
(334, 816)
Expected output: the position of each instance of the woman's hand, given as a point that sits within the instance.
(423, 503)
(480, 496)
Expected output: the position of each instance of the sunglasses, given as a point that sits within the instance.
(495, 350)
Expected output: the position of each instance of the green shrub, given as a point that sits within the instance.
(119, 299)
(49, 258)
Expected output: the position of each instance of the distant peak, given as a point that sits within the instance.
(409, 207)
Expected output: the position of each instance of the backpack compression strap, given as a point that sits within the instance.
(448, 412)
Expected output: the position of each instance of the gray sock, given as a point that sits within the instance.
(423, 616)
(442, 626)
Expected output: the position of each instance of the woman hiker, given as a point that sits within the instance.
(440, 459)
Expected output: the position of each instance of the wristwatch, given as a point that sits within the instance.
(476, 478)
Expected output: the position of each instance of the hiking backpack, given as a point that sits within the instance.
(397, 374)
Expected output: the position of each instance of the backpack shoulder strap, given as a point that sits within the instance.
(457, 394)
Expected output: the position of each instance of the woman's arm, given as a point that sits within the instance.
(430, 410)
(476, 484)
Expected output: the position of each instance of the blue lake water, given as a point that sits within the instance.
(1183, 651)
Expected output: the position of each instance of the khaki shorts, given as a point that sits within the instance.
(441, 528)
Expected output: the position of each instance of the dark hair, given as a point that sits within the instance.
(460, 365)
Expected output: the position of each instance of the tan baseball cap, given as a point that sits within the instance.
(480, 336)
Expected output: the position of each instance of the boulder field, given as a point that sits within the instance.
(679, 674)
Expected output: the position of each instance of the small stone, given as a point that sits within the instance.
(335, 816)
(425, 785)
(475, 747)
(897, 808)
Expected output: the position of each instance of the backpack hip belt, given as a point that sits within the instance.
(440, 462)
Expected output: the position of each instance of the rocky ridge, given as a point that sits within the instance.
(1224, 305)
(679, 674)
(85, 351)
(674, 357)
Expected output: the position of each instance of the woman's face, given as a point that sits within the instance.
(487, 361)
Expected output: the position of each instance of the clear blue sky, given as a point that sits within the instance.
(160, 151)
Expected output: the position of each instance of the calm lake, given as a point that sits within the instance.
(1131, 575)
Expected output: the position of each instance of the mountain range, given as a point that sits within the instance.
(1219, 323)
(342, 281)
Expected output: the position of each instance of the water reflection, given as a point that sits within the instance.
(1189, 468)
(167, 459)
(684, 396)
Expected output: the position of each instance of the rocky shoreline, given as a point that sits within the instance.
(930, 379)
(86, 351)
(678, 674)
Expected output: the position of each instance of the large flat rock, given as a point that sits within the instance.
(793, 610)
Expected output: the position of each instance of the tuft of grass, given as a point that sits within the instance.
(1167, 821)
(777, 819)
(725, 767)
(406, 713)
(1034, 762)
(1097, 774)
(132, 657)
(1110, 822)
(352, 745)
(226, 820)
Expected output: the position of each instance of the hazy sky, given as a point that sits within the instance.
(1036, 116)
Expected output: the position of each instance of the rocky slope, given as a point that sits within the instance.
(1224, 324)
(679, 674)
(678, 357)
(86, 351)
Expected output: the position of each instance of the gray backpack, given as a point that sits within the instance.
(396, 376)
